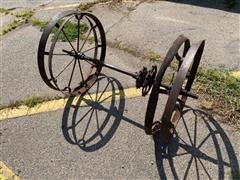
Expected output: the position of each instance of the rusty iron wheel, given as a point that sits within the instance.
(180, 42)
(68, 38)
(178, 93)
(183, 82)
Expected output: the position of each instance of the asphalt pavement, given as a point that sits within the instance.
(105, 139)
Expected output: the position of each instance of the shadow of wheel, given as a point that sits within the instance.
(200, 148)
(90, 121)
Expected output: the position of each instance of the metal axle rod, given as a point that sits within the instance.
(95, 61)
(166, 89)
(120, 70)
(183, 92)
(82, 56)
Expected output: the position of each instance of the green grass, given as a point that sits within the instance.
(29, 102)
(152, 56)
(91, 39)
(10, 26)
(131, 8)
(24, 15)
(4, 11)
(86, 6)
(70, 29)
(124, 47)
(37, 22)
(21, 17)
(221, 85)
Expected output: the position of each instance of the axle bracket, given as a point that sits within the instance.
(145, 79)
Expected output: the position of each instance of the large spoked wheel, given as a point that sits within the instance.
(180, 90)
(182, 83)
(71, 51)
(173, 58)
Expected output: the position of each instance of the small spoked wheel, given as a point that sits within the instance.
(71, 51)
(178, 90)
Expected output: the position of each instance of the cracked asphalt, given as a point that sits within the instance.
(106, 140)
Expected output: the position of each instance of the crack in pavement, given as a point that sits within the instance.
(121, 19)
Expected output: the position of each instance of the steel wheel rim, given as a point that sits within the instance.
(42, 61)
(153, 99)
(193, 58)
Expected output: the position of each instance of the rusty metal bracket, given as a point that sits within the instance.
(145, 79)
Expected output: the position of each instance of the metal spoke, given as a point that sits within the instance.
(89, 62)
(91, 48)
(59, 54)
(69, 41)
(70, 80)
(79, 26)
(80, 68)
(57, 41)
(78, 35)
(87, 37)
(64, 69)
(97, 91)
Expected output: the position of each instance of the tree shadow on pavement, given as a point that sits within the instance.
(225, 5)
(91, 120)
(199, 148)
